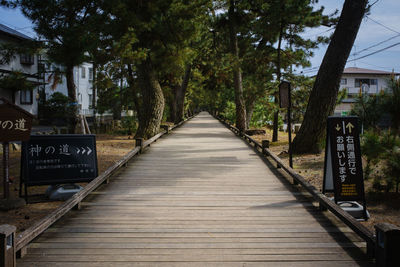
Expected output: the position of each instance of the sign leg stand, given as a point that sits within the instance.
(6, 168)
(7, 203)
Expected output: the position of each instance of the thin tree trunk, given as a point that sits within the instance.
(180, 95)
(117, 107)
(73, 118)
(135, 93)
(94, 94)
(278, 78)
(153, 100)
(325, 90)
(237, 73)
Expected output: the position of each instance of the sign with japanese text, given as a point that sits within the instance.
(284, 91)
(58, 159)
(343, 168)
(15, 122)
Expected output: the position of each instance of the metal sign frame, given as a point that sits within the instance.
(343, 174)
(58, 159)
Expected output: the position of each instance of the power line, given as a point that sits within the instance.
(386, 27)
(29, 33)
(373, 53)
(372, 46)
(381, 67)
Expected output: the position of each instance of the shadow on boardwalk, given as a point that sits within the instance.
(199, 197)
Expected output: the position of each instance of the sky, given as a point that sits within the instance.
(381, 24)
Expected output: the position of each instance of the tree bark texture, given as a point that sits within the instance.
(278, 77)
(94, 92)
(237, 73)
(73, 117)
(153, 101)
(180, 95)
(325, 90)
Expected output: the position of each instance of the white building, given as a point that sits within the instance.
(358, 80)
(26, 64)
(83, 78)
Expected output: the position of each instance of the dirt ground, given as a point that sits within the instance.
(382, 207)
(110, 148)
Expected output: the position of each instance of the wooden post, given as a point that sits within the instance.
(139, 143)
(6, 150)
(7, 245)
(166, 128)
(265, 144)
(387, 245)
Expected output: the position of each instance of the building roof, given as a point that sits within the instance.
(13, 33)
(354, 70)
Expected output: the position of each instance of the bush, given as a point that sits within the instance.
(382, 152)
(58, 109)
(129, 125)
(230, 112)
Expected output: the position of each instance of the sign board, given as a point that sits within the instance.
(284, 90)
(58, 159)
(343, 173)
(15, 122)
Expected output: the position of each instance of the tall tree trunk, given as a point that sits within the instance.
(153, 100)
(237, 73)
(117, 107)
(94, 94)
(135, 93)
(180, 95)
(278, 78)
(73, 117)
(325, 90)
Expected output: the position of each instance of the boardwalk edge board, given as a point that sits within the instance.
(25, 237)
(362, 231)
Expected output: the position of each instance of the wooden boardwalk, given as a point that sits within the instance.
(198, 197)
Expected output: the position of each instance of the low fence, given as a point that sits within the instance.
(12, 245)
(383, 245)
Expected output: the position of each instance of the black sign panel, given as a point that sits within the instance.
(58, 159)
(284, 91)
(15, 123)
(343, 159)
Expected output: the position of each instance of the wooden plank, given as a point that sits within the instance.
(199, 197)
(29, 234)
(208, 264)
(349, 220)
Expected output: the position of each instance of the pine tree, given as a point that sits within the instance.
(325, 90)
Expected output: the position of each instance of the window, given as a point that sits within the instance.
(343, 81)
(90, 74)
(26, 97)
(90, 100)
(360, 82)
(83, 72)
(27, 59)
(374, 81)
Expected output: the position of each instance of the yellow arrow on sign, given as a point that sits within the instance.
(337, 127)
(349, 126)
